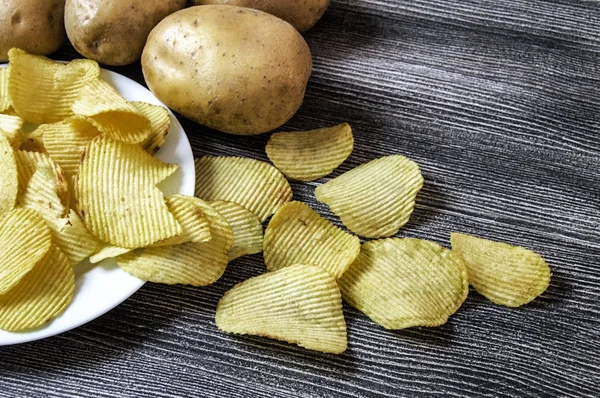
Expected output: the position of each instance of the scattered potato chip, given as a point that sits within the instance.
(4, 98)
(309, 155)
(375, 199)
(159, 119)
(41, 295)
(117, 197)
(24, 241)
(247, 229)
(111, 113)
(32, 143)
(298, 235)
(107, 251)
(41, 90)
(9, 178)
(197, 264)
(300, 304)
(507, 275)
(401, 283)
(256, 185)
(10, 127)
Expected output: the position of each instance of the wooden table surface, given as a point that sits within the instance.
(499, 103)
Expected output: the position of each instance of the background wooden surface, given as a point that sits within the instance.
(499, 102)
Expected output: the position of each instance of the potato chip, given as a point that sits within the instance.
(300, 304)
(375, 199)
(41, 90)
(298, 235)
(111, 113)
(32, 143)
(24, 241)
(9, 179)
(197, 264)
(10, 127)
(117, 197)
(159, 119)
(42, 294)
(107, 251)
(256, 185)
(247, 229)
(309, 155)
(507, 275)
(401, 283)
(4, 97)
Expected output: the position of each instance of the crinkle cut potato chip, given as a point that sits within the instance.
(10, 126)
(300, 304)
(197, 264)
(256, 185)
(107, 251)
(507, 275)
(375, 199)
(4, 98)
(111, 113)
(44, 293)
(159, 119)
(310, 155)
(9, 178)
(117, 197)
(247, 229)
(298, 235)
(401, 283)
(41, 90)
(24, 241)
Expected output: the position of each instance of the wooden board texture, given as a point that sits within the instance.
(499, 102)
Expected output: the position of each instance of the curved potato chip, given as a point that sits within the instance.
(41, 90)
(298, 235)
(9, 178)
(111, 113)
(159, 119)
(401, 283)
(247, 229)
(4, 97)
(117, 197)
(375, 199)
(24, 241)
(197, 264)
(41, 295)
(10, 126)
(309, 155)
(256, 185)
(507, 275)
(300, 304)
(107, 251)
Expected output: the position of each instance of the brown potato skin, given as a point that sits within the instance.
(35, 26)
(237, 70)
(302, 14)
(113, 32)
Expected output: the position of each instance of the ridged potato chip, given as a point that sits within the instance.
(9, 178)
(197, 264)
(10, 127)
(300, 304)
(375, 199)
(40, 296)
(107, 251)
(507, 275)
(401, 283)
(247, 229)
(309, 155)
(41, 90)
(256, 185)
(27, 163)
(117, 197)
(298, 235)
(159, 119)
(24, 241)
(111, 113)
(4, 97)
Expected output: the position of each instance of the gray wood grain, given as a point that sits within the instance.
(499, 102)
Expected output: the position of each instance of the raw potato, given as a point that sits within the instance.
(233, 69)
(35, 26)
(114, 32)
(302, 14)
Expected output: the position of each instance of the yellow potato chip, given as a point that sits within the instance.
(375, 199)
(24, 241)
(4, 98)
(159, 119)
(247, 229)
(298, 235)
(197, 264)
(256, 185)
(401, 283)
(44, 293)
(300, 304)
(41, 90)
(107, 251)
(9, 178)
(111, 113)
(10, 127)
(117, 197)
(309, 155)
(507, 275)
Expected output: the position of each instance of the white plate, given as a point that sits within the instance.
(102, 287)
